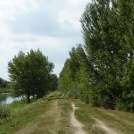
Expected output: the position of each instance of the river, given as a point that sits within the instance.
(7, 98)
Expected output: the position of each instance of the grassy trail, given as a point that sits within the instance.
(57, 115)
(102, 121)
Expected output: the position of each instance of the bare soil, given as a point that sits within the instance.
(103, 126)
(76, 124)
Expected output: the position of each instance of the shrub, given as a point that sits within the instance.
(73, 93)
(127, 83)
(5, 112)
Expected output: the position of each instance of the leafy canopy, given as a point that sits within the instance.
(31, 74)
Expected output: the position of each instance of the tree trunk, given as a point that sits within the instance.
(28, 97)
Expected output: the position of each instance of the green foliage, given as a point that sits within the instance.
(73, 93)
(3, 83)
(54, 95)
(53, 82)
(126, 101)
(83, 85)
(107, 47)
(18, 104)
(5, 112)
(31, 74)
(65, 80)
(96, 69)
(4, 86)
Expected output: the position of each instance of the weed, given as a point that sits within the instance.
(5, 112)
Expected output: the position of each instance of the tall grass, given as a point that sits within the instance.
(5, 113)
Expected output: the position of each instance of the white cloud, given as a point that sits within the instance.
(52, 26)
(10, 8)
(80, 3)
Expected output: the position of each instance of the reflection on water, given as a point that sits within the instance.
(7, 98)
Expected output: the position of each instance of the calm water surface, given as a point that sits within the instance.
(7, 98)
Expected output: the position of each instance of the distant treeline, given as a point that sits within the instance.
(101, 71)
(3, 85)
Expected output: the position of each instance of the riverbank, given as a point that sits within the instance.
(59, 115)
(5, 90)
(7, 98)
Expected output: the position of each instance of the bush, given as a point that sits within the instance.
(5, 112)
(84, 94)
(127, 98)
(73, 93)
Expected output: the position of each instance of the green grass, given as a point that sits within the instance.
(52, 115)
(122, 122)
(47, 115)
(64, 122)
(54, 95)
(83, 115)
(27, 113)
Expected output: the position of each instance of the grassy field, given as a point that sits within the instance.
(51, 115)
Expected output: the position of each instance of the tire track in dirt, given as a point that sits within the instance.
(103, 126)
(76, 124)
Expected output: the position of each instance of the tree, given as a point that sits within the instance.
(53, 82)
(107, 33)
(4, 86)
(126, 101)
(3, 83)
(96, 69)
(65, 79)
(30, 74)
(73, 78)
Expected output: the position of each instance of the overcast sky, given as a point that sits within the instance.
(51, 25)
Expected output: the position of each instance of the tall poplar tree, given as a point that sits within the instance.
(102, 69)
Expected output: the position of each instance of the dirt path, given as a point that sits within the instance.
(76, 124)
(79, 127)
(103, 126)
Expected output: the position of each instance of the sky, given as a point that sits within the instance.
(53, 26)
